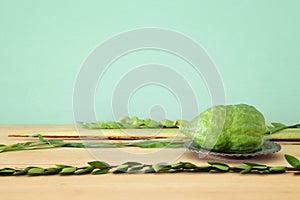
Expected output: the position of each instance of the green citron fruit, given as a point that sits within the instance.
(229, 129)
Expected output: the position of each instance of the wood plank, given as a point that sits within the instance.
(139, 186)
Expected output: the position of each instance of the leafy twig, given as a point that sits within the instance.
(100, 167)
(276, 127)
(134, 122)
(54, 143)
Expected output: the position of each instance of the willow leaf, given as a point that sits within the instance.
(292, 161)
(130, 164)
(84, 170)
(60, 166)
(149, 170)
(121, 169)
(254, 164)
(7, 171)
(277, 169)
(167, 123)
(36, 171)
(177, 165)
(136, 168)
(20, 172)
(101, 171)
(204, 168)
(277, 124)
(68, 171)
(98, 164)
(219, 166)
(161, 167)
(52, 171)
(247, 169)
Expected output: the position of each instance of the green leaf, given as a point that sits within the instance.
(167, 123)
(121, 169)
(254, 164)
(112, 125)
(239, 167)
(14, 147)
(41, 138)
(204, 168)
(185, 165)
(162, 166)
(149, 170)
(132, 163)
(68, 171)
(188, 165)
(92, 125)
(98, 164)
(52, 171)
(169, 143)
(36, 171)
(136, 121)
(261, 168)
(147, 143)
(73, 144)
(101, 145)
(102, 125)
(7, 171)
(218, 163)
(263, 171)
(84, 170)
(247, 169)
(125, 120)
(277, 124)
(17, 145)
(152, 144)
(151, 123)
(129, 126)
(136, 168)
(277, 169)
(60, 166)
(175, 170)
(220, 166)
(56, 143)
(20, 172)
(101, 171)
(271, 129)
(277, 129)
(32, 144)
(292, 161)
(177, 165)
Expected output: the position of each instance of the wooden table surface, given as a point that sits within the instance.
(138, 186)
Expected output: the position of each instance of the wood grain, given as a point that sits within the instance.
(138, 186)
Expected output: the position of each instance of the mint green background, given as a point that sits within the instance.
(254, 44)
